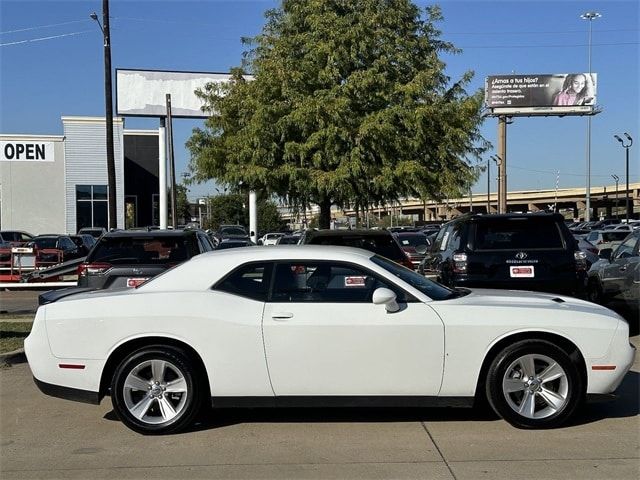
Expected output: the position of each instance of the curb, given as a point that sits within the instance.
(14, 357)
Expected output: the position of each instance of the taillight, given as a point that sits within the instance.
(406, 262)
(460, 262)
(92, 268)
(581, 260)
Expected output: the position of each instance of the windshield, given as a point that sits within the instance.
(430, 288)
(233, 231)
(413, 240)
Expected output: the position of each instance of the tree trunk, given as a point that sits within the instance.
(325, 214)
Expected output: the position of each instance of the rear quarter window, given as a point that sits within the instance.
(517, 234)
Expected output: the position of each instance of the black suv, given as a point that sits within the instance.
(512, 251)
(129, 258)
(381, 242)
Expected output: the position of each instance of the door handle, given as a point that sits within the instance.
(622, 269)
(281, 315)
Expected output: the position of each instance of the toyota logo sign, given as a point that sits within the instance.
(521, 255)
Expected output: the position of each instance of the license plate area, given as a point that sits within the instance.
(522, 271)
(134, 282)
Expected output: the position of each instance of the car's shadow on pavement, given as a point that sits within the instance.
(625, 405)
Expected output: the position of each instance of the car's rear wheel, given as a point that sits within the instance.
(155, 390)
(534, 384)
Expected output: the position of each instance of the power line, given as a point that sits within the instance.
(42, 39)
(554, 172)
(26, 29)
(540, 33)
(551, 46)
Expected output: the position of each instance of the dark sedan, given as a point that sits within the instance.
(412, 243)
(617, 273)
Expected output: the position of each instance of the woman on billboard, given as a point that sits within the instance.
(577, 89)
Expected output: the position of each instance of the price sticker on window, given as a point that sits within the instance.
(355, 281)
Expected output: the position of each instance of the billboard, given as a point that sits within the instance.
(565, 93)
(143, 92)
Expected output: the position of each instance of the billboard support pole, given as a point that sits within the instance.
(162, 174)
(502, 167)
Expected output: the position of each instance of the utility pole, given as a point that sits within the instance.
(488, 185)
(498, 160)
(111, 166)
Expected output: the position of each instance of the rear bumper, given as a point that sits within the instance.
(74, 394)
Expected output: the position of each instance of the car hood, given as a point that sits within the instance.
(512, 298)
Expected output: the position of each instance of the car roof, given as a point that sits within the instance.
(203, 270)
(409, 234)
(347, 233)
(150, 234)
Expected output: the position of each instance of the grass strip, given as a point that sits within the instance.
(12, 335)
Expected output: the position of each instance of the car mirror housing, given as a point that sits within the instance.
(386, 297)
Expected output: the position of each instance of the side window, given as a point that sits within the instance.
(205, 244)
(446, 234)
(325, 282)
(251, 281)
(593, 237)
(625, 250)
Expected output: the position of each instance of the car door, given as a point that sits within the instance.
(617, 276)
(324, 336)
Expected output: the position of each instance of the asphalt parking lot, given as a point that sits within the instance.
(43, 437)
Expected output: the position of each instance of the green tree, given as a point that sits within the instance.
(350, 106)
(233, 209)
(183, 213)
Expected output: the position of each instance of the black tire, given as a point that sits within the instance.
(164, 411)
(595, 293)
(545, 403)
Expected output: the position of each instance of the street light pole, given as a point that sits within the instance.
(626, 148)
(587, 216)
(111, 166)
(616, 179)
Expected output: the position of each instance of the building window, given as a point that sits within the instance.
(91, 206)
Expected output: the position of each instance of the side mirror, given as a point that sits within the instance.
(605, 253)
(386, 297)
(421, 249)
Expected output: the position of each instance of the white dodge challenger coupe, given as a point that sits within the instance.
(322, 326)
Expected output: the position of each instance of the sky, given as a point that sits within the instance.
(51, 65)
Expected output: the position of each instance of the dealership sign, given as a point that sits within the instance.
(26, 152)
(568, 92)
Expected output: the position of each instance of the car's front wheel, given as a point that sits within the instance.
(155, 390)
(534, 384)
